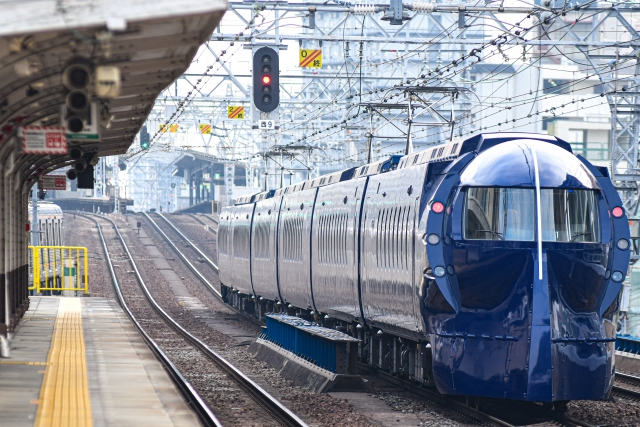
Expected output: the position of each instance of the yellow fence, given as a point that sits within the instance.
(58, 268)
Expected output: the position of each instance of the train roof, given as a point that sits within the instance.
(437, 153)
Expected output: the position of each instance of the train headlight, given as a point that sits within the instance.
(439, 271)
(433, 239)
(623, 244)
(437, 207)
(617, 276)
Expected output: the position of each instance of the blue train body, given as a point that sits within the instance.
(491, 266)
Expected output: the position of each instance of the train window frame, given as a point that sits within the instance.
(571, 235)
(489, 231)
(557, 199)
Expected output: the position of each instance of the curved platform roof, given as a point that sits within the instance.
(151, 42)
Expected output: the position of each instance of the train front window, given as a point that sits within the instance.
(494, 213)
(569, 215)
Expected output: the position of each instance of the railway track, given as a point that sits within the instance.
(536, 416)
(627, 385)
(202, 256)
(280, 413)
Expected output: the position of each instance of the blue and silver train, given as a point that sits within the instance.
(491, 267)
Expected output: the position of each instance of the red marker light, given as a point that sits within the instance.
(437, 207)
(617, 212)
(266, 79)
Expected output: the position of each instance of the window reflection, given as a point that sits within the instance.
(500, 214)
(571, 216)
(494, 213)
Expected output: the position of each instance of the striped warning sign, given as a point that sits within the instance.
(235, 112)
(162, 128)
(44, 140)
(174, 128)
(311, 58)
(205, 129)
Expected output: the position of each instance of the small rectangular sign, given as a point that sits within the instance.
(235, 112)
(44, 140)
(311, 58)
(267, 125)
(205, 129)
(54, 182)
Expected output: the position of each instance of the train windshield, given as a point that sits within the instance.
(494, 213)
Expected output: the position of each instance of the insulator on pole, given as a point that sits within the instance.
(365, 9)
(421, 7)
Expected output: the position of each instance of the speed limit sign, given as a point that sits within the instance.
(267, 124)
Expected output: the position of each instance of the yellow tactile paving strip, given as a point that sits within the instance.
(64, 396)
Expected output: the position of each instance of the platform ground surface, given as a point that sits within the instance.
(127, 385)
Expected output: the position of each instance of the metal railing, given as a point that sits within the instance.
(591, 153)
(58, 268)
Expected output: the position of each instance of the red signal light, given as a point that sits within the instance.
(266, 79)
(437, 207)
(617, 211)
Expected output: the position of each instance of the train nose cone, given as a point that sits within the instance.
(570, 356)
(515, 345)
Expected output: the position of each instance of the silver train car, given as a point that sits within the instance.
(50, 223)
(489, 267)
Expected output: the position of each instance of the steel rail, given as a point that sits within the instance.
(629, 379)
(272, 405)
(213, 230)
(211, 218)
(200, 276)
(206, 258)
(192, 397)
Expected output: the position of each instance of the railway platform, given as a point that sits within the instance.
(80, 362)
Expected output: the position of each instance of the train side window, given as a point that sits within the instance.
(336, 239)
(320, 244)
(387, 250)
(325, 239)
(325, 232)
(394, 254)
(383, 246)
(378, 237)
(285, 238)
(392, 238)
(408, 234)
(404, 238)
(383, 237)
(345, 219)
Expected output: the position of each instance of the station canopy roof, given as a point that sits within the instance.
(195, 161)
(152, 42)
